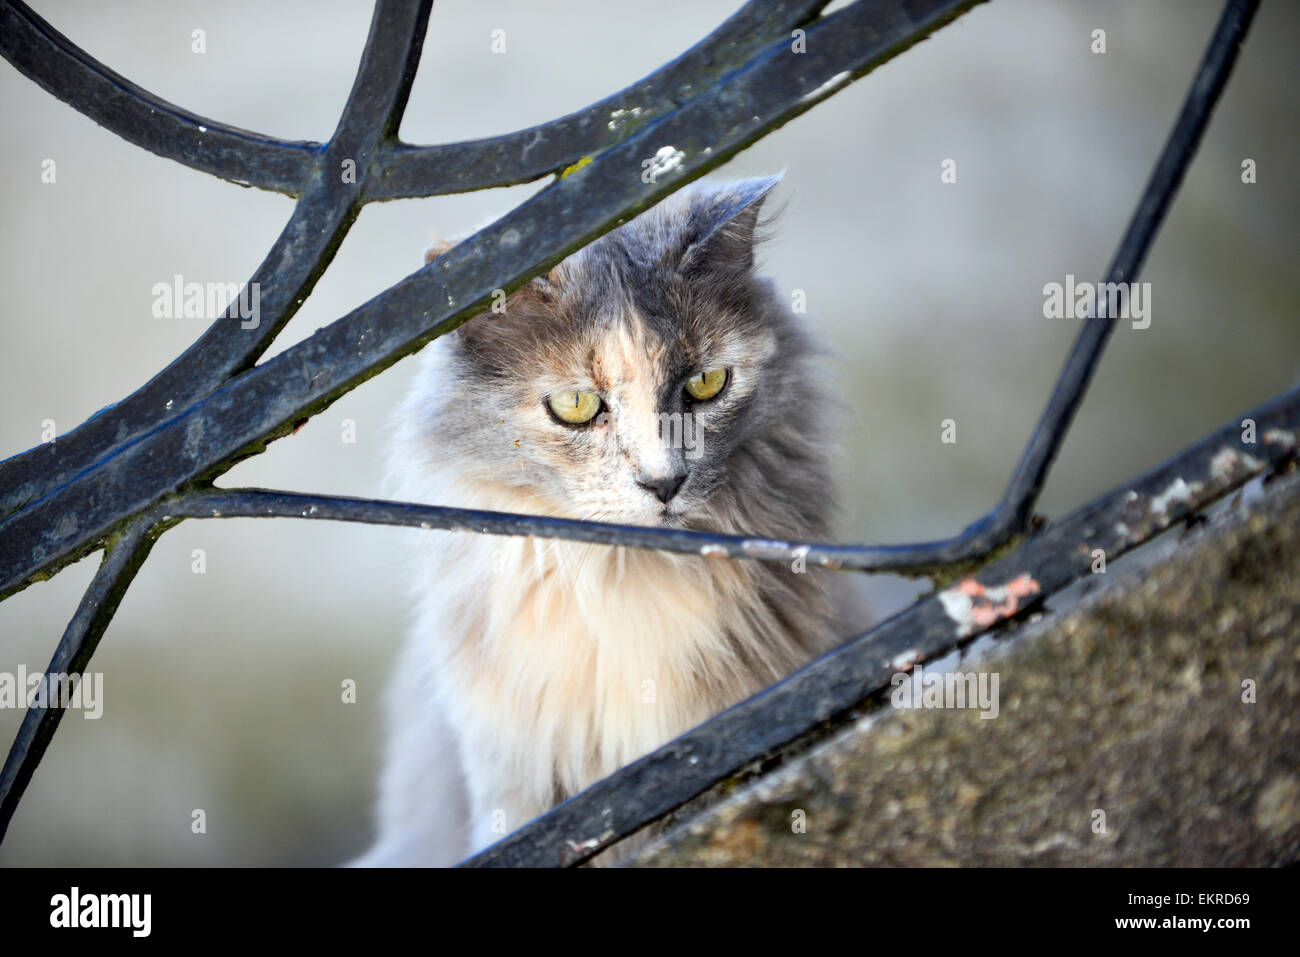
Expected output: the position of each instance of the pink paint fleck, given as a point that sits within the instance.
(975, 607)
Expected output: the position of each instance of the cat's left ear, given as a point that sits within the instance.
(439, 247)
(722, 222)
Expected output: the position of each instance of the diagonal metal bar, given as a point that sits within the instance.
(60, 67)
(304, 249)
(522, 156)
(121, 561)
(266, 402)
(852, 676)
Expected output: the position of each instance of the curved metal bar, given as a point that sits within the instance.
(304, 249)
(269, 503)
(30, 475)
(403, 171)
(67, 72)
(263, 404)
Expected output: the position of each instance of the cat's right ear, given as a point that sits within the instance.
(722, 221)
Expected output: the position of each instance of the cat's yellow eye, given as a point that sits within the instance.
(575, 408)
(706, 385)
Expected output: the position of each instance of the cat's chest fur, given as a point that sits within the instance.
(600, 654)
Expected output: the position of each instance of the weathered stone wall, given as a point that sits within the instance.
(1131, 704)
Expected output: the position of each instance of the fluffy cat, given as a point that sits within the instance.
(651, 378)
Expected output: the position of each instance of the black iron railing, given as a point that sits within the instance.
(122, 478)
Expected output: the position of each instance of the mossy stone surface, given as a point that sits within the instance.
(1130, 705)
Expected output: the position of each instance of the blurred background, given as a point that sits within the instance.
(222, 689)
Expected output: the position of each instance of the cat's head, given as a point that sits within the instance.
(651, 378)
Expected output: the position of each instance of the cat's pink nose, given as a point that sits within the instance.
(663, 488)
